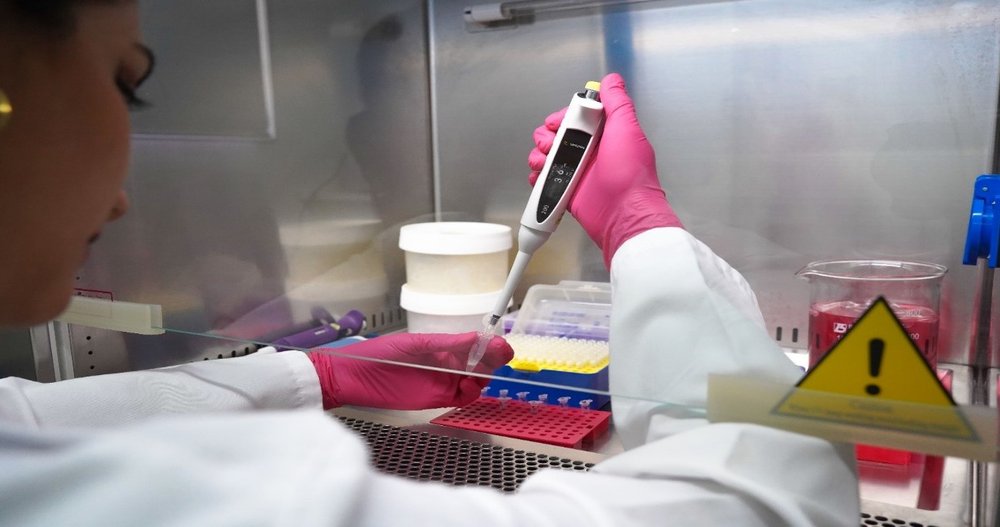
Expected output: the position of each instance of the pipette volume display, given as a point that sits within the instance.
(572, 147)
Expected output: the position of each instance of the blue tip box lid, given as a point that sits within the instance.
(983, 237)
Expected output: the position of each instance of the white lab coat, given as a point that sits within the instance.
(84, 452)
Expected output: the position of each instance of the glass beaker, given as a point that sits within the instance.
(841, 291)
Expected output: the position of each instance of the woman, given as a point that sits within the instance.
(101, 450)
(70, 78)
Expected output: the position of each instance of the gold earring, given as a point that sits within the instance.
(5, 109)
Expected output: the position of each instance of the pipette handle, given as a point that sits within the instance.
(571, 150)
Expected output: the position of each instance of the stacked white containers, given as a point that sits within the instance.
(454, 273)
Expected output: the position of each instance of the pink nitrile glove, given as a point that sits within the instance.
(345, 380)
(619, 194)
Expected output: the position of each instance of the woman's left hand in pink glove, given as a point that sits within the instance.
(349, 381)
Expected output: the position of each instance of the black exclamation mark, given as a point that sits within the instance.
(875, 349)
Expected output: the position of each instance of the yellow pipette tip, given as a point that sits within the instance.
(593, 85)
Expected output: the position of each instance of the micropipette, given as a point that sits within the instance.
(571, 149)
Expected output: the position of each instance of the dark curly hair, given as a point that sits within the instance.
(52, 15)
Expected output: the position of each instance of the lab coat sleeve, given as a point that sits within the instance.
(680, 313)
(261, 381)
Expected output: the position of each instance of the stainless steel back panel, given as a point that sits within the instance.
(237, 233)
(785, 131)
(212, 76)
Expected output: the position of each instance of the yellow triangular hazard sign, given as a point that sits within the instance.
(876, 364)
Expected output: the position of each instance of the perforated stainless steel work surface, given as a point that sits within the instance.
(869, 520)
(425, 456)
(885, 521)
(429, 457)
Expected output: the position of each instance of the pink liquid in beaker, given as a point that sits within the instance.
(829, 322)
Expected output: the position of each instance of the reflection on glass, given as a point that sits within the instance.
(339, 238)
(211, 82)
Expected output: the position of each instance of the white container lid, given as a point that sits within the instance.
(455, 237)
(329, 232)
(436, 304)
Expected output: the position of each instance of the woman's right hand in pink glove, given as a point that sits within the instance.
(619, 194)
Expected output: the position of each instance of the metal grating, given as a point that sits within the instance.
(386, 320)
(429, 457)
(868, 520)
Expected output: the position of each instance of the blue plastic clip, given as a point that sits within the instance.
(983, 238)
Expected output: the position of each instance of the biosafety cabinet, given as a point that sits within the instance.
(288, 142)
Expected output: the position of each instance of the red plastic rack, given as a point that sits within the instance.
(554, 425)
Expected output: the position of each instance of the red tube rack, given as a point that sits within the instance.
(544, 423)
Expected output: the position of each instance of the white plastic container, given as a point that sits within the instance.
(456, 258)
(315, 247)
(435, 313)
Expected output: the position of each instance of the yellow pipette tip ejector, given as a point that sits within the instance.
(593, 85)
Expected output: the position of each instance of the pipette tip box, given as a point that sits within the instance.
(591, 381)
(560, 338)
